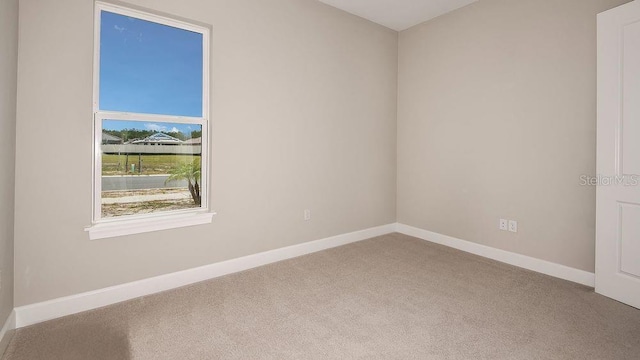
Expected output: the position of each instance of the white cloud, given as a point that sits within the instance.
(120, 29)
(155, 127)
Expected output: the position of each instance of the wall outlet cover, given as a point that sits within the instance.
(503, 225)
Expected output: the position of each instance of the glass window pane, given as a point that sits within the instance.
(146, 67)
(150, 167)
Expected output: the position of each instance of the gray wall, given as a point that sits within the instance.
(497, 115)
(304, 117)
(496, 118)
(8, 70)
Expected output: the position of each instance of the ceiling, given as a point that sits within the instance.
(398, 14)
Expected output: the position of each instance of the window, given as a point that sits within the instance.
(151, 108)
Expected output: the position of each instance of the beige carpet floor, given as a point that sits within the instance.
(391, 297)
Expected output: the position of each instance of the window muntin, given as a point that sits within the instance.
(150, 107)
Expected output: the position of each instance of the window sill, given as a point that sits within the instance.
(139, 226)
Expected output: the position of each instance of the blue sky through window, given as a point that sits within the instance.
(146, 67)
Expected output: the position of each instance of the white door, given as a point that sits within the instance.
(618, 190)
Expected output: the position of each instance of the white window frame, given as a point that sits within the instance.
(133, 224)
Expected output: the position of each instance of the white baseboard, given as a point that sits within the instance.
(52, 309)
(523, 261)
(56, 308)
(7, 332)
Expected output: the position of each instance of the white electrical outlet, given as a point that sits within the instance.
(504, 224)
(513, 226)
(307, 215)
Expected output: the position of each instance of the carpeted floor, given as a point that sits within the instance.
(391, 297)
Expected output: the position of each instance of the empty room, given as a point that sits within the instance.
(319, 179)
